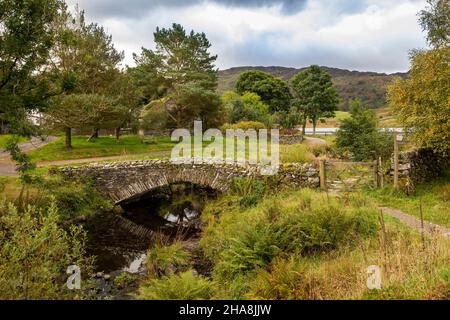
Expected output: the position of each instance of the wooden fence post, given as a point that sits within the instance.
(375, 173)
(380, 170)
(322, 174)
(395, 162)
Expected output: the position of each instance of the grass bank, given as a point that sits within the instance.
(302, 245)
(434, 197)
(100, 147)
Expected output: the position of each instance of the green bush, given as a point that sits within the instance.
(285, 279)
(184, 286)
(35, 253)
(255, 248)
(250, 190)
(74, 198)
(323, 228)
(124, 280)
(359, 135)
(162, 259)
(244, 125)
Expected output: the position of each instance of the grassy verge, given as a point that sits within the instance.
(132, 148)
(74, 197)
(5, 137)
(434, 196)
(100, 147)
(10, 188)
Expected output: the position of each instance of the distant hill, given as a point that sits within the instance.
(370, 87)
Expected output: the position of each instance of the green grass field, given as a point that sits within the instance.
(5, 137)
(132, 146)
(434, 195)
(100, 147)
(386, 118)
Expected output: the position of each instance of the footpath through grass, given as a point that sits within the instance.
(100, 147)
(434, 195)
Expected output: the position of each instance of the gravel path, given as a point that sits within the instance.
(8, 167)
(415, 223)
(33, 143)
(314, 141)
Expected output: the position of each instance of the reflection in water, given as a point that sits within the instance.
(171, 211)
(137, 265)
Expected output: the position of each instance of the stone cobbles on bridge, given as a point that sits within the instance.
(123, 180)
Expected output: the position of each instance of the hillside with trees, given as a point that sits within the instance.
(369, 87)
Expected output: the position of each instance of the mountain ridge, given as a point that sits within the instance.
(369, 86)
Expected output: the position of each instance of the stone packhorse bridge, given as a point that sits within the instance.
(121, 181)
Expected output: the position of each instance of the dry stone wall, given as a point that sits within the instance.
(421, 165)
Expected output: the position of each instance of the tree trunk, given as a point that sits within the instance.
(117, 134)
(304, 127)
(94, 134)
(68, 138)
(314, 122)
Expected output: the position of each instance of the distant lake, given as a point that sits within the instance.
(325, 131)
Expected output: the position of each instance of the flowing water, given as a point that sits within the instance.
(119, 241)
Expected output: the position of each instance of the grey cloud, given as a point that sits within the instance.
(136, 8)
(262, 50)
(133, 22)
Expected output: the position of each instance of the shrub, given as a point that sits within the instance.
(359, 135)
(286, 279)
(35, 253)
(163, 259)
(323, 228)
(242, 241)
(124, 280)
(244, 125)
(73, 198)
(250, 190)
(289, 119)
(254, 249)
(296, 153)
(184, 286)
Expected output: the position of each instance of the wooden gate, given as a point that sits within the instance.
(348, 176)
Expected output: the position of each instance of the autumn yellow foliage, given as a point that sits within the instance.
(422, 102)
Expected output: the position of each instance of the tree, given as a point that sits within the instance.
(273, 91)
(422, 102)
(128, 102)
(27, 30)
(84, 110)
(85, 62)
(248, 107)
(435, 20)
(359, 135)
(178, 79)
(314, 95)
(84, 58)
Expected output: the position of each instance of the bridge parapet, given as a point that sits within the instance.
(123, 180)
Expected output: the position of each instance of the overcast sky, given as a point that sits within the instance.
(366, 35)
